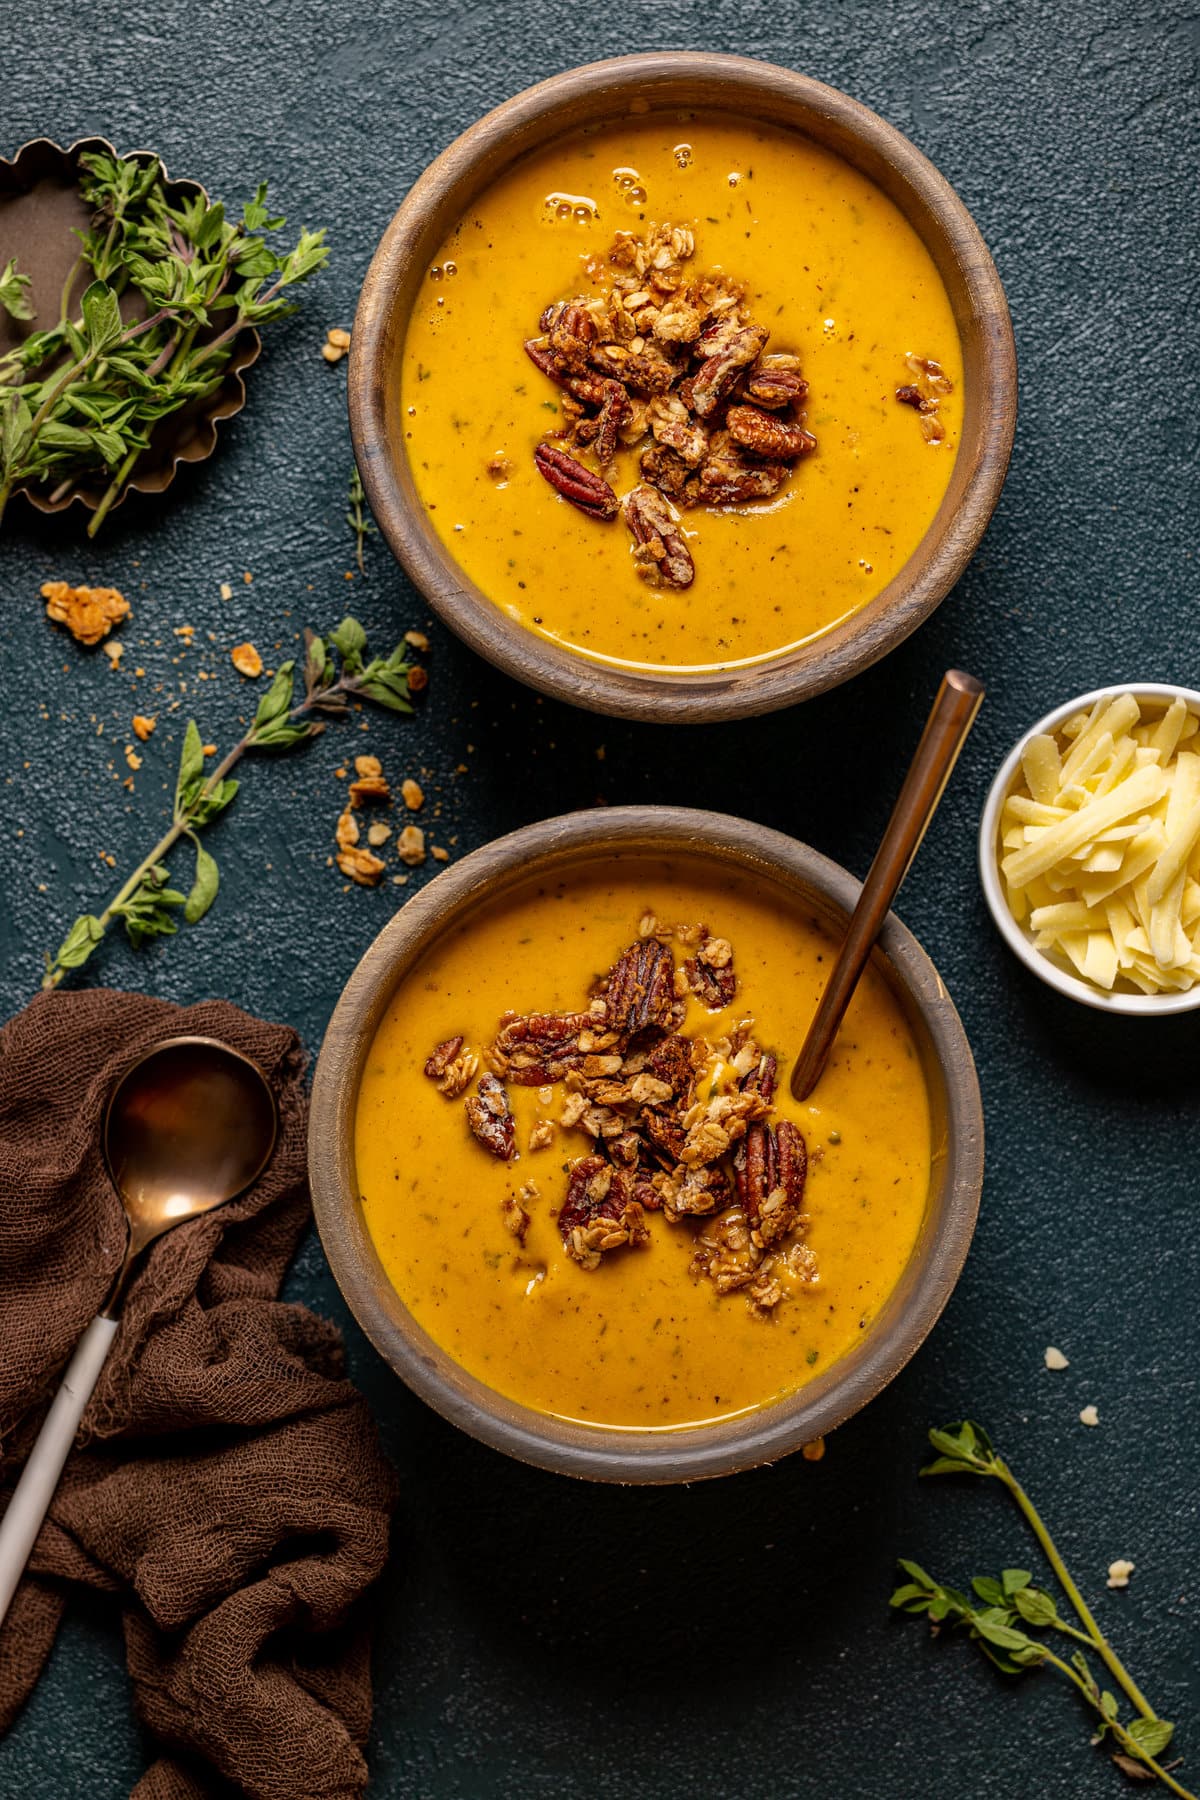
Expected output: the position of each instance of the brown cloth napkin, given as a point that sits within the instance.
(227, 1484)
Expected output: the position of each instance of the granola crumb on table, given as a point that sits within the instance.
(88, 613)
(246, 660)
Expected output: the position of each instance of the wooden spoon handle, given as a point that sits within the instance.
(958, 700)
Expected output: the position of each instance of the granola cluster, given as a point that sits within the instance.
(677, 1124)
(929, 386)
(662, 359)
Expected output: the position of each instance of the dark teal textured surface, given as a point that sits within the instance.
(536, 1637)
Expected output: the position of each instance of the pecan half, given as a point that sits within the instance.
(490, 1119)
(909, 396)
(452, 1067)
(761, 1078)
(588, 388)
(710, 973)
(765, 435)
(727, 479)
(770, 1171)
(776, 388)
(666, 470)
(658, 537)
(673, 1060)
(728, 349)
(614, 409)
(599, 1213)
(572, 334)
(584, 489)
(540, 1048)
(640, 995)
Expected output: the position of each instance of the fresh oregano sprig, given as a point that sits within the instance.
(356, 517)
(335, 670)
(84, 395)
(1007, 1607)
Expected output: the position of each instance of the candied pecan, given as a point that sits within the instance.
(776, 388)
(587, 388)
(640, 995)
(666, 470)
(665, 1133)
(584, 489)
(727, 479)
(760, 1077)
(539, 1048)
(909, 396)
(727, 349)
(659, 541)
(599, 1212)
(770, 1170)
(491, 1120)
(673, 1060)
(572, 334)
(452, 1067)
(614, 409)
(767, 436)
(674, 426)
(710, 973)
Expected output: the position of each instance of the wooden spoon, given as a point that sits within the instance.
(958, 700)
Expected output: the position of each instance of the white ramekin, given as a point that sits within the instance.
(1018, 938)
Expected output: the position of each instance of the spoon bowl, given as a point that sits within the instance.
(188, 1127)
(191, 1125)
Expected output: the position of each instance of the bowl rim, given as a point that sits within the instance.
(611, 1453)
(1015, 936)
(953, 534)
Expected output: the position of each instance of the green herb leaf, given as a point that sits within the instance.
(1013, 1580)
(204, 886)
(15, 295)
(148, 910)
(992, 1625)
(101, 315)
(1035, 1607)
(349, 640)
(79, 942)
(1151, 1735)
(277, 701)
(191, 770)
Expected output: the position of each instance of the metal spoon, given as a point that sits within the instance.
(187, 1128)
(958, 700)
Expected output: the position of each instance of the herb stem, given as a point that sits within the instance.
(1096, 1637)
(1129, 1744)
(68, 284)
(181, 822)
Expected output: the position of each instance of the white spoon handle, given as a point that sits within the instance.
(39, 1478)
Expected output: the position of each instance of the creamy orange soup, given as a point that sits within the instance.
(829, 265)
(638, 1341)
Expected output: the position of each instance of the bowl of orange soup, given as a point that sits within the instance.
(683, 386)
(559, 1176)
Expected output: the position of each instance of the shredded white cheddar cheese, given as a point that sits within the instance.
(1100, 845)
